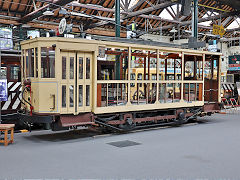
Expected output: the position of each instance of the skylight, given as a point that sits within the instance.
(166, 15)
(234, 24)
(208, 23)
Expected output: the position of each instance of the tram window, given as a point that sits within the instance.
(23, 62)
(162, 93)
(154, 77)
(4, 72)
(14, 72)
(63, 67)
(36, 60)
(199, 73)
(47, 62)
(170, 92)
(80, 93)
(215, 69)
(87, 68)
(161, 77)
(132, 76)
(189, 70)
(192, 92)
(71, 96)
(193, 67)
(87, 95)
(63, 96)
(71, 73)
(186, 92)
(177, 92)
(80, 67)
(115, 63)
(30, 62)
(139, 76)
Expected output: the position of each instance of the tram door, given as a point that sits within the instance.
(76, 82)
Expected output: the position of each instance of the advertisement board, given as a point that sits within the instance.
(6, 41)
(234, 63)
(3, 90)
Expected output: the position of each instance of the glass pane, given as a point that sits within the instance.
(80, 101)
(71, 97)
(23, 63)
(186, 92)
(170, 92)
(87, 95)
(36, 60)
(87, 68)
(27, 63)
(31, 62)
(63, 67)
(14, 70)
(71, 68)
(177, 92)
(192, 92)
(80, 67)
(64, 96)
(47, 62)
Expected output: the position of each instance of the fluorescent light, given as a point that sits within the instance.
(48, 12)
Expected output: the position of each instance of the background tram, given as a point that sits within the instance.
(10, 70)
(79, 82)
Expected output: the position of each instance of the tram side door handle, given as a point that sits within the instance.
(53, 96)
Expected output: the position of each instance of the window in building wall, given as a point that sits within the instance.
(47, 62)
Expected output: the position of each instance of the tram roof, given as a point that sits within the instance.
(123, 42)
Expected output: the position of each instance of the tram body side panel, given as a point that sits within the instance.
(45, 97)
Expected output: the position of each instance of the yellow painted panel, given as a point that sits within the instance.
(48, 93)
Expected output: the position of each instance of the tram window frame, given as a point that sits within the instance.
(48, 62)
(36, 62)
(30, 62)
(23, 70)
(88, 67)
(196, 67)
(64, 67)
(14, 76)
(115, 63)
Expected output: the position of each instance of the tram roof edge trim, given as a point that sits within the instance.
(120, 43)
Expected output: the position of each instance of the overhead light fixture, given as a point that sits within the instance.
(26, 26)
(63, 11)
(173, 30)
(48, 12)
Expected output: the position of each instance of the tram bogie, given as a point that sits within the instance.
(79, 82)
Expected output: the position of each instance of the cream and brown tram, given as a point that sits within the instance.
(78, 82)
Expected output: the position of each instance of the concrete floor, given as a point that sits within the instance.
(208, 150)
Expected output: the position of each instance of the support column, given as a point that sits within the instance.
(117, 34)
(117, 18)
(195, 18)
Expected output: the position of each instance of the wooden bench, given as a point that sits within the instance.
(5, 128)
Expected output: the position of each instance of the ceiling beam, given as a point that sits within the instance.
(40, 11)
(150, 9)
(139, 3)
(185, 23)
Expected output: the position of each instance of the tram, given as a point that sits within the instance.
(72, 82)
(10, 70)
